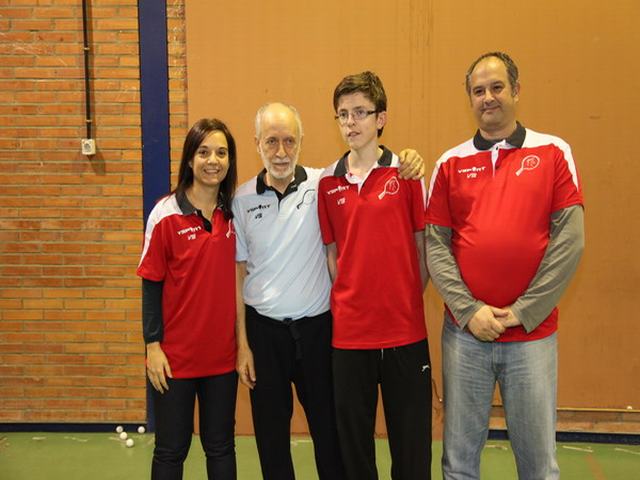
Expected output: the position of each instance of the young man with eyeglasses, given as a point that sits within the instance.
(283, 325)
(372, 222)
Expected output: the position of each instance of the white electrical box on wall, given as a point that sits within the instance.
(88, 146)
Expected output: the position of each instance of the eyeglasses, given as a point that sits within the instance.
(358, 114)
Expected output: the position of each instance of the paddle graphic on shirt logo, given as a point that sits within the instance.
(308, 197)
(391, 187)
(528, 163)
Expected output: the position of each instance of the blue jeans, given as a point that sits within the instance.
(527, 375)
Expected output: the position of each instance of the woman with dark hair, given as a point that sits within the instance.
(189, 306)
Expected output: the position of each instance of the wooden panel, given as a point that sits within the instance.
(579, 81)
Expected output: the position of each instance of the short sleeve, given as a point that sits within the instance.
(418, 202)
(242, 253)
(153, 262)
(437, 211)
(323, 215)
(566, 189)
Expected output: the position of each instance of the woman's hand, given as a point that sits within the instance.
(158, 368)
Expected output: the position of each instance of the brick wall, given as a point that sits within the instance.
(177, 53)
(71, 226)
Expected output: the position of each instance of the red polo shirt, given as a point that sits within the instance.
(376, 299)
(498, 200)
(198, 297)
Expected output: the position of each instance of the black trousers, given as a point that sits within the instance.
(297, 352)
(404, 376)
(174, 425)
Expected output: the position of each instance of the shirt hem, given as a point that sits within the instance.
(378, 345)
(213, 373)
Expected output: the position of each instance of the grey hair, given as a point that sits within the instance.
(264, 107)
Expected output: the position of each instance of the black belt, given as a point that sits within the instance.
(289, 323)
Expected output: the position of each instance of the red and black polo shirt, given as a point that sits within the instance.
(376, 299)
(498, 198)
(195, 260)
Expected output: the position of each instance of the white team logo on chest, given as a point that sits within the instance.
(471, 172)
(530, 162)
(339, 189)
(190, 232)
(391, 187)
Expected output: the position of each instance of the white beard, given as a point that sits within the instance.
(279, 174)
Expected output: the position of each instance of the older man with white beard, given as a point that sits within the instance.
(283, 325)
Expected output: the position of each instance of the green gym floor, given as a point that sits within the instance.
(103, 456)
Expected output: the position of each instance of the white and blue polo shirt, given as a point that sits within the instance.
(278, 236)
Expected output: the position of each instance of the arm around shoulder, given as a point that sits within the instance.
(411, 165)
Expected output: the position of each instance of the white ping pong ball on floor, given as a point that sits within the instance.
(123, 435)
(119, 429)
(129, 442)
(141, 429)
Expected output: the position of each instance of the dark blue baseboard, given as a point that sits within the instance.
(69, 427)
(581, 437)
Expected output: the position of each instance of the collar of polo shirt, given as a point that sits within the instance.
(298, 177)
(186, 207)
(516, 139)
(384, 161)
